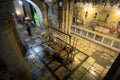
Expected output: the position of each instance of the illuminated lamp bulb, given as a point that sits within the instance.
(26, 18)
(18, 12)
(20, 2)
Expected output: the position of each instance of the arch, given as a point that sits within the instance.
(44, 9)
(52, 13)
(40, 15)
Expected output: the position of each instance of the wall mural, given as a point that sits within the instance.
(100, 20)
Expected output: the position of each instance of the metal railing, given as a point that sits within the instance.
(101, 39)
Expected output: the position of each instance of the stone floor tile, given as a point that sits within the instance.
(99, 68)
(86, 65)
(104, 72)
(90, 60)
(97, 52)
(45, 72)
(46, 60)
(94, 73)
(62, 72)
(107, 67)
(89, 53)
(106, 51)
(107, 58)
(77, 75)
(81, 45)
(53, 65)
(44, 69)
(91, 49)
(86, 51)
(113, 54)
(81, 56)
(82, 69)
(39, 64)
(81, 49)
(93, 46)
(99, 48)
(48, 75)
(74, 64)
(93, 68)
(88, 76)
(86, 47)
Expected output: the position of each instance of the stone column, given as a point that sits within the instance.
(63, 17)
(66, 26)
(70, 16)
(67, 18)
(27, 9)
(10, 52)
(19, 42)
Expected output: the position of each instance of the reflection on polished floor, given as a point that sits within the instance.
(91, 61)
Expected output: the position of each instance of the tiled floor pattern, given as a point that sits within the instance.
(61, 70)
(102, 57)
(91, 62)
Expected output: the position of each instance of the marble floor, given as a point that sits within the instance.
(60, 61)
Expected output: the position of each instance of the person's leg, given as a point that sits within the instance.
(29, 33)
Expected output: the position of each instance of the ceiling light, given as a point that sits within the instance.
(20, 2)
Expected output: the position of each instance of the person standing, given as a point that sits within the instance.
(29, 30)
(28, 27)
